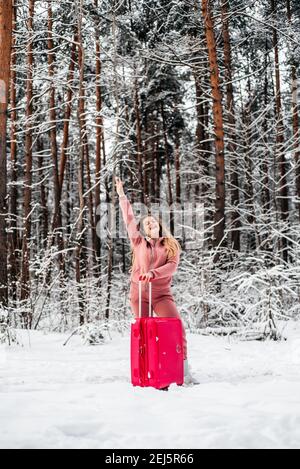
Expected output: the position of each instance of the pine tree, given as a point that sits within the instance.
(5, 58)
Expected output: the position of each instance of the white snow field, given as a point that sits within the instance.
(80, 396)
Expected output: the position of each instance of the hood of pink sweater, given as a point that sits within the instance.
(150, 254)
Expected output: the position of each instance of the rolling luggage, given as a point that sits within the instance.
(156, 349)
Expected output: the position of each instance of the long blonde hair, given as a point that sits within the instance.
(171, 244)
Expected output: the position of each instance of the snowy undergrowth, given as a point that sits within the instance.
(7, 333)
(249, 295)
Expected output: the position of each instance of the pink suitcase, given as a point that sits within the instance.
(156, 349)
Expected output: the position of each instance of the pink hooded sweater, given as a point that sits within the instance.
(150, 255)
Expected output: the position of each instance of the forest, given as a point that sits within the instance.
(195, 105)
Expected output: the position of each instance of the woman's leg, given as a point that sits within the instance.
(134, 301)
(165, 306)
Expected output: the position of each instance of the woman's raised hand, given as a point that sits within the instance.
(119, 186)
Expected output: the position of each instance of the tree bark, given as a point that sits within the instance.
(25, 289)
(248, 171)
(201, 137)
(57, 220)
(177, 168)
(266, 197)
(80, 250)
(13, 237)
(169, 178)
(5, 57)
(219, 219)
(295, 107)
(283, 188)
(139, 140)
(67, 114)
(43, 194)
(230, 106)
(99, 137)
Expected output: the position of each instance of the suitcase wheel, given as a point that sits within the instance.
(164, 389)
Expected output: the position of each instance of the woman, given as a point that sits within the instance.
(156, 255)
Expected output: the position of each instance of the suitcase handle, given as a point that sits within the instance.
(140, 297)
(150, 280)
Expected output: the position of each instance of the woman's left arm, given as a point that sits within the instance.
(168, 269)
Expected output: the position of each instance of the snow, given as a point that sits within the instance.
(78, 396)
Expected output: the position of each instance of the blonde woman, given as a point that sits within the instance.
(156, 255)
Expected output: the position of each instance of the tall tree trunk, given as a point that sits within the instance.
(99, 136)
(25, 289)
(266, 196)
(219, 219)
(147, 159)
(139, 139)
(80, 250)
(91, 207)
(177, 168)
(178, 195)
(67, 114)
(167, 156)
(230, 107)
(69, 180)
(295, 106)
(111, 215)
(283, 188)
(248, 169)
(13, 237)
(5, 57)
(79, 254)
(158, 169)
(84, 154)
(64, 163)
(43, 194)
(152, 141)
(57, 220)
(201, 137)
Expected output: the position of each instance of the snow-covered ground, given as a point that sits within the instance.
(81, 397)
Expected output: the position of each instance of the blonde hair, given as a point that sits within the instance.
(171, 244)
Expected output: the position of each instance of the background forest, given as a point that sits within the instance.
(189, 102)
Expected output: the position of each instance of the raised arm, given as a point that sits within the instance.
(128, 215)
